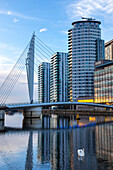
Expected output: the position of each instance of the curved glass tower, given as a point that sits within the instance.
(82, 54)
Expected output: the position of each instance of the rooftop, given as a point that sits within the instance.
(87, 20)
(103, 63)
(109, 42)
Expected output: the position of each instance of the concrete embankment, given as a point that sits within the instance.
(75, 112)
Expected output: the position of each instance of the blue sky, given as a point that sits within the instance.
(50, 19)
(18, 20)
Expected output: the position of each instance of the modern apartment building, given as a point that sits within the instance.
(109, 50)
(44, 82)
(84, 48)
(58, 77)
(103, 82)
(100, 50)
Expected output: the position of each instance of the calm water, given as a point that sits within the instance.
(56, 148)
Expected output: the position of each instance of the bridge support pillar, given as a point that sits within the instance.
(2, 115)
(72, 107)
(32, 112)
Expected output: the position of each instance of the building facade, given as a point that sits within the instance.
(84, 44)
(100, 50)
(58, 77)
(44, 82)
(103, 82)
(109, 50)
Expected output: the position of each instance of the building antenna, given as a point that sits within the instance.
(89, 19)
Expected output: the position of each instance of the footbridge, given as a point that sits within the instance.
(28, 105)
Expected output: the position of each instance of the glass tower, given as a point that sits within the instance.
(58, 77)
(44, 82)
(82, 54)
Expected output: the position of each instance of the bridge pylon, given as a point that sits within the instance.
(30, 67)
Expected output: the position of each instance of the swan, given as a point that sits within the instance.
(81, 152)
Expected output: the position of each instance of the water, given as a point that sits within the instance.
(52, 143)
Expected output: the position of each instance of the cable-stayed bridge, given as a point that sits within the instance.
(34, 54)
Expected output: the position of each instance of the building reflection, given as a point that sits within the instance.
(2, 127)
(32, 123)
(61, 122)
(59, 148)
(29, 156)
(44, 146)
(54, 147)
(104, 149)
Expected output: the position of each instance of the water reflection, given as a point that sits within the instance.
(2, 128)
(57, 149)
(29, 157)
(32, 123)
(60, 148)
(16, 120)
(104, 149)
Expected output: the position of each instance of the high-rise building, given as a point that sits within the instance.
(58, 77)
(44, 82)
(100, 50)
(84, 44)
(109, 50)
(103, 82)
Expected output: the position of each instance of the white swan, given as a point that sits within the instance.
(81, 152)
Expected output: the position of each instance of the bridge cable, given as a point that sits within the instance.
(11, 78)
(45, 44)
(42, 54)
(44, 47)
(10, 82)
(43, 60)
(5, 87)
(43, 50)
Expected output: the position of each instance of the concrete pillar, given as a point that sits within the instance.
(70, 107)
(33, 112)
(2, 114)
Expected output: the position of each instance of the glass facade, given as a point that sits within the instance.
(100, 50)
(103, 83)
(44, 82)
(109, 50)
(58, 77)
(82, 54)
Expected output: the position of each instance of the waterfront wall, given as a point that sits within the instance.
(2, 114)
(32, 112)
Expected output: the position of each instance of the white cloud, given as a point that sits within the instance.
(4, 60)
(9, 12)
(5, 46)
(65, 32)
(7, 60)
(5, 64)
(90, 8)
(43, 29)
(15, 20)
(16, 14)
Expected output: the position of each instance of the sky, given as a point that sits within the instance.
(50, 19)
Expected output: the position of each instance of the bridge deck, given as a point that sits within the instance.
(20, 106)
